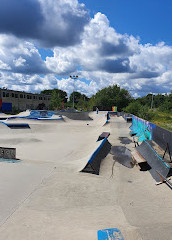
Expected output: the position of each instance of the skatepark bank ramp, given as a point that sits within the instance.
(75, 115)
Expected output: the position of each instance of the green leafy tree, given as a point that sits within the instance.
(91, 103)
(76, 95)
(56, 100)
(80, 100)
(59, 93)
(58, 97)
(47, 92)
(133, 108)
(145, 113)
(112, 96)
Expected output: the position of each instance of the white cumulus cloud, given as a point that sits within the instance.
(81, 45)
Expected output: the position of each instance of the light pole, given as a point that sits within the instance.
(74, 77)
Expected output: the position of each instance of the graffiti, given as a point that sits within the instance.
(145, 130)
(141, 128)
(110, 234)
(7, 153)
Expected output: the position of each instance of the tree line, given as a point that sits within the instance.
(146, 107)
(103, 99)
(154, 108)
(111, 96)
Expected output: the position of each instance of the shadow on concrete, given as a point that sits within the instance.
(125, 140)
(122, 155)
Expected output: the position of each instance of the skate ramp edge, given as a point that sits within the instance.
(94, 162)
(75, 115)
(52, 118)
(16, 125)
(157, 164)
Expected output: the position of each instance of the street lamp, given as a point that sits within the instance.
(74, 77)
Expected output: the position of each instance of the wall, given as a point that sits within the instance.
(23, 100)
(152, 132)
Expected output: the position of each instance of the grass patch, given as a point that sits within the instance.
(162, 119)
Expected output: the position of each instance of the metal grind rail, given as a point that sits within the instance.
(164, 180)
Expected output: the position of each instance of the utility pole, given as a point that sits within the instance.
(152, 102)
(74, 77)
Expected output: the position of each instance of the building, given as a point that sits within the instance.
(10, 99)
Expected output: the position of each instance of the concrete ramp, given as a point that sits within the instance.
(75, 115)
(97, 122)
(94, 161)
(157, 164)
(3, 128)
(23, 114)
(17, 125)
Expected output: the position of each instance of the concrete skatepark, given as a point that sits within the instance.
(44, 195)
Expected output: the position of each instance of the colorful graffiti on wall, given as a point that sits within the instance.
(114, 109)
(145, 130)
(141, 129)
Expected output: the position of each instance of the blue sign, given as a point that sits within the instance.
(110, 234)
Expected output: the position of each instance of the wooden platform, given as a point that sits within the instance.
(137, 159)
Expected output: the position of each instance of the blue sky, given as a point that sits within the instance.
(148, 19)
(129, 43)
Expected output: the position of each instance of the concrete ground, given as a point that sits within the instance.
(44, 196)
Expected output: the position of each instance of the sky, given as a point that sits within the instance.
(104, 42)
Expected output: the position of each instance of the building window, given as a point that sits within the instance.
(27, 96)
(21, 95)
(24, 96)
(12, 94)
(7, 94)
(44, 98)
(16, 95)
(30, 97)
(3, 94)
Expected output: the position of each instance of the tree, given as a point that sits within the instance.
(58, 97)
(112, 96)
(80, 100)
(139, 110)
(76, 95)
(60, 93)
(56, 100)
(133, 108)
